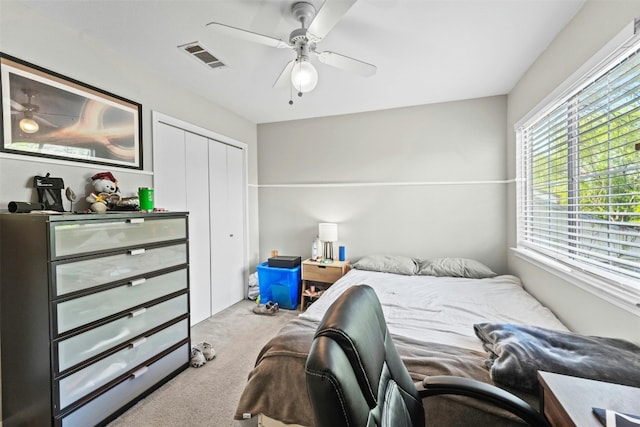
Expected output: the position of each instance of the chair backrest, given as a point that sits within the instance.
(355, 376)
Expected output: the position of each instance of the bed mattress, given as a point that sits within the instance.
(431, 321)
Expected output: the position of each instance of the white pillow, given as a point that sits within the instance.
(454, 267)
(396, 264)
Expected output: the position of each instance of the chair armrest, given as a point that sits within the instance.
(444, 384)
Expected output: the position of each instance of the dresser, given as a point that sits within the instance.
(94, 313)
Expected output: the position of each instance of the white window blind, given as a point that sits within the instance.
(579, 178)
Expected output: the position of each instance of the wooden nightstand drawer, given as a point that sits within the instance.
(321, 273)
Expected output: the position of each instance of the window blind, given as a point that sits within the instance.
(579, 177)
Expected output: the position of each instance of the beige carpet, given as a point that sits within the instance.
(207, 396)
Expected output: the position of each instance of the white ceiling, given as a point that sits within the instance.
(426, 51)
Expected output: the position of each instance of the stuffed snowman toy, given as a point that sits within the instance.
(105, 188)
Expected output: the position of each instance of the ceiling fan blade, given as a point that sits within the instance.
(44, 121)
(17, 106)
(285, 75)
(346, 63)
(327, 17)
(246, 35)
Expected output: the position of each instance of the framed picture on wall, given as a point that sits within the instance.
(49, 115)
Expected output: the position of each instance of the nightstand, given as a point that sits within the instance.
(568, 401)
(321, 276)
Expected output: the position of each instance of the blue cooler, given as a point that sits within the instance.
(279, 285)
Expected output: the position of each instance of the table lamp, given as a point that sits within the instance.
(328, 233)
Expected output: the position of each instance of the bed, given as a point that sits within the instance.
(431, 317)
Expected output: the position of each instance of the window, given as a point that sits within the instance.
(579, 179)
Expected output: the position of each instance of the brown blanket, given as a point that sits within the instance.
(277, 385)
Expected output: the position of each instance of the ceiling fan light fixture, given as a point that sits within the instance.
(304, 76)
(29, 125)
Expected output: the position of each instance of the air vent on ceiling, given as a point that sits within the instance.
(196, 50)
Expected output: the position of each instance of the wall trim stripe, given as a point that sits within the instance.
(75, 164)
(384, 184)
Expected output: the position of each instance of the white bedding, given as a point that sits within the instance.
(443, 309)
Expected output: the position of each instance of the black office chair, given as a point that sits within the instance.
(356, 378)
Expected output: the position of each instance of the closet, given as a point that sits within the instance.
(197, 171)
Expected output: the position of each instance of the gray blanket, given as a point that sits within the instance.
(517, 353)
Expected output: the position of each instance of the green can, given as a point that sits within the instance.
(145, 195)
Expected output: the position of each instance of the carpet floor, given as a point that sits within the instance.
(207, 396)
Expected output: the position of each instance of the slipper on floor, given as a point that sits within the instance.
(273, 306)
(207, 350)
(197, 358)
(267, 309)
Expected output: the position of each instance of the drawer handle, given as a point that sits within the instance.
(322, 266)
(137, 312)
(137, 282)
(136, 251)
(136, 343)
(140, 372)
(135, 220)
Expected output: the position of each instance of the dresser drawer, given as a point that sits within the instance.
(83, 382)
(89, 308)
(87, 273)
(105, 404)
(81, 347)
(321, 273)
(71, 238)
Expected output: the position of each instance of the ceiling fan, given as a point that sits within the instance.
(31, 113)
(315, 25)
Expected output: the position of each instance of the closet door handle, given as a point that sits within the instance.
(230, 235)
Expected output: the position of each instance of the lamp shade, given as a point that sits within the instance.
(328, 232)
(304, 76)
(29, 125)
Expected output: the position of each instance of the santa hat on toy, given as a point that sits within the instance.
(108, 176)
(105, 175)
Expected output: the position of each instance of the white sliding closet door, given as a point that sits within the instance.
(227, 224)
(169, 180)
(205, 177)
(197, 188)
(181, 183)
(235, 198)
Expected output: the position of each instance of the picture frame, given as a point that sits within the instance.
(46, 114)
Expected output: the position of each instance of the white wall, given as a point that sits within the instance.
(451, 155)
(595, 24)
(29, 36)
(70, 53)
